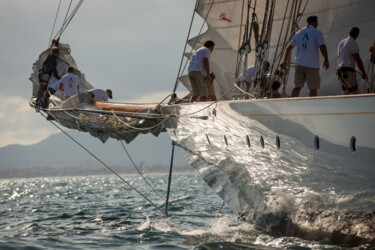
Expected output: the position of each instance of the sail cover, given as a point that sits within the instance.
(226, 20)
(119, 121)
(63, 61)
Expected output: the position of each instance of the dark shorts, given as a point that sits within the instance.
(86, 97)
(43, 78)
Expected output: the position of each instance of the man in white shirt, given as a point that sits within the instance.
(95, 95)
(309, 41)
(101, 95)
(70, 83)
(249, 75)
(248, 78)
(348, 56)
(200, 74)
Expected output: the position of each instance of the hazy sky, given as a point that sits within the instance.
(133, 47)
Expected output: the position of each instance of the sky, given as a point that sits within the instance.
(133, 47)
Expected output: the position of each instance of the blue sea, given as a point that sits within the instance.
(97, 212)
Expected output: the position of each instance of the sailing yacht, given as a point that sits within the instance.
(303, 166)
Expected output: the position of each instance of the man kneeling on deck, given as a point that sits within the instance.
(95, 95)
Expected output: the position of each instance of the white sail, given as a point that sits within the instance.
(335, 20)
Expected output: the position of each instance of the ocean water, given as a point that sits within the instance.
(104, 212)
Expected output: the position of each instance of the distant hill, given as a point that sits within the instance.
(60, 152)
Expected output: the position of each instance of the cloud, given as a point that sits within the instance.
(20, 124)
(158, 97)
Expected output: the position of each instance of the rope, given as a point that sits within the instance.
(140, 129)
(293, 23)
(66, 15)
(112, 112)
(192, 113)
(54, 23)
(186, 42)
(239, 39)
(126, 182)
(69, 19)
(149, 184)
(243, 91)
(139, 172)
(154, 126)
(105, 165)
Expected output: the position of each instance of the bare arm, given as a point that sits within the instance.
(360, 65)
(206, 64)
(323, 50)
(288, 53)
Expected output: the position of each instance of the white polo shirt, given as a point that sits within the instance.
(308, 41)
(70, 83)
(99, 95)
(249, 74)
(196, 63)
(345, 51)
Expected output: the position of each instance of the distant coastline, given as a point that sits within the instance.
(84, 171)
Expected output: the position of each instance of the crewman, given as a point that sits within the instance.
(70, 83)
(200, 74)
(95, 95)
(309, 41)
(48, 68)
(347, 57)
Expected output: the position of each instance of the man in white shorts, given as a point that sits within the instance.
(309, 41)
(348, 56)
(200, 74)
(70, 83)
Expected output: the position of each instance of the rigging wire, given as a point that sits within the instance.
(144, 178)
(131, 186)
(239, 40)
(54, 24)
(195, 42)
(186, 43)
(293, 24)
(105, 165)
(69, 19)
(66, 15)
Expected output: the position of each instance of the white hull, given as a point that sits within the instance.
(293, 175)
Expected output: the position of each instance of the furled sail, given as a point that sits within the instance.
(63, 61)
(101, 120)
(226, 22)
